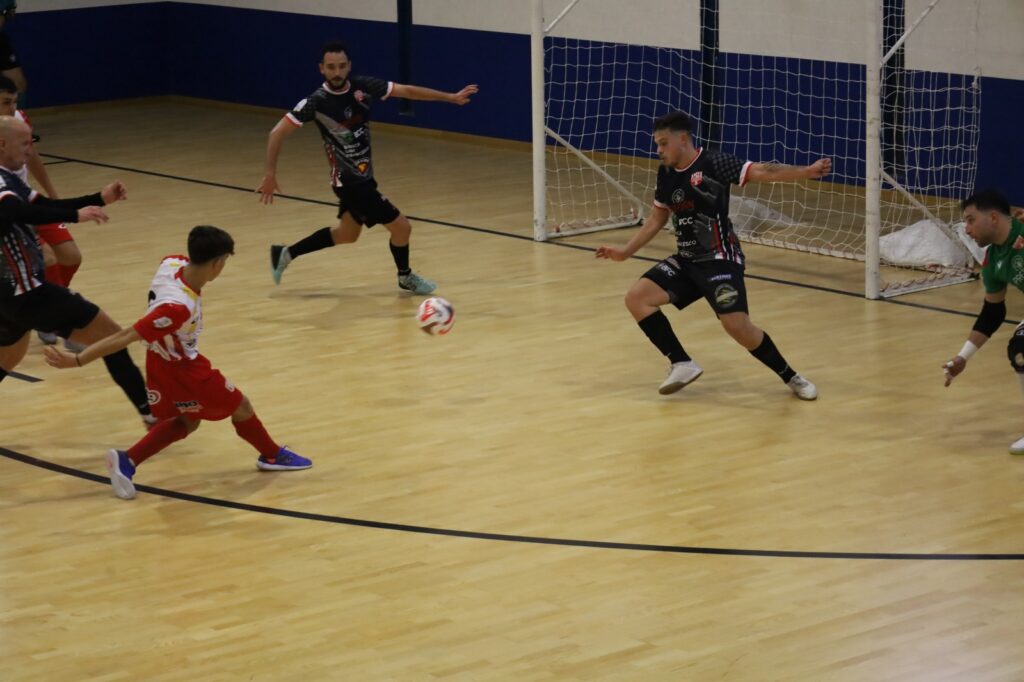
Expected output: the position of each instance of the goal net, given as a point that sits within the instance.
(788, 81)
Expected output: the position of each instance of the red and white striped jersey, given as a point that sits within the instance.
(174, 319)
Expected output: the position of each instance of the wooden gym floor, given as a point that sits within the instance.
(514, 501)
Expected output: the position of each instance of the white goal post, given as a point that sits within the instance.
(894, 101)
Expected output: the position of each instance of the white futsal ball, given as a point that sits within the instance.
(436, 316)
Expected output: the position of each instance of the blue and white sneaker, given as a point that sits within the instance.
(416, 284)
(121, 471)
(279, 260)
(284, 460)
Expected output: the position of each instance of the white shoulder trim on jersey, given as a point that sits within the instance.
(291, 119)
(700, 150)
(33, 196)
(659, 204)
(744, 171)
(7, 193)
(391, 86)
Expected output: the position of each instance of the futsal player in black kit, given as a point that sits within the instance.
(341, 110)
(693, 190)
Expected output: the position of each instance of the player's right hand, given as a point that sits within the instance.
(59, 358)
(610, 253)
(953, 368)
(92, 213)
(267, 188)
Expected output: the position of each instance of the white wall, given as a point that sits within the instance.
(830, 30)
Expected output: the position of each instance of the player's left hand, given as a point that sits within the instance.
(115, 191)
(462, 96)
(59, 358)
(610, 253)
(952, 368)
(821, 168)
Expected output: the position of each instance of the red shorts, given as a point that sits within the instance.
(190, 388)
(54, 233)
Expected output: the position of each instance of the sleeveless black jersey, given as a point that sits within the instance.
(698, 198)
(21, 257)
(342, 117)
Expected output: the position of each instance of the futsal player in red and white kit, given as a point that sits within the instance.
(184, 389)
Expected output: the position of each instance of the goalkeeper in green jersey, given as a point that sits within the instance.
(989, 223)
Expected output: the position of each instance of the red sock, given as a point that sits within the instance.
(67, 272)
(158, 438)
(252, 431)
(55, 274)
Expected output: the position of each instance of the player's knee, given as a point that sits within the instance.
(1015, 350)
(244, 411)
(68, 253)
(190, 424)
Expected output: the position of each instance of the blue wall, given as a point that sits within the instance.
(270, 58)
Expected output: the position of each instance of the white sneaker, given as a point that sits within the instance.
(802, 388)
(680, 374)
(1018, 447)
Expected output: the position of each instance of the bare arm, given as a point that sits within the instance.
(416, 92)
(62, 359)
(780, 172)
(655, 221)
(976, 338)
(275, 141)
(38, 170)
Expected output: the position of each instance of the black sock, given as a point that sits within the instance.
(772, 358)
(126, 375)
(321, 239)
(401, 256)
(659, 331)
(3, 373)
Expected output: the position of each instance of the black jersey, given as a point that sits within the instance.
(698, 197)
(342, 117)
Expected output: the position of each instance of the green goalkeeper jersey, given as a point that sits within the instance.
(1004, 265)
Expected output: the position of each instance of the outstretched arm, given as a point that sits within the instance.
(275, 141)
(992, 314)
(655, 221)
(62, 359)
(780, 172)
(416, 92)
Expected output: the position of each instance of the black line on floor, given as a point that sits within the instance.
(502, 537)
(484, 230)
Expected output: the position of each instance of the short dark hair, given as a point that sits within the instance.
(987, 200)
(207, 243)
(7, 85)
(334, 46)
(676, 121)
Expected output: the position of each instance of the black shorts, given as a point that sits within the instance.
(8, 60)
(718, 281)
(366, 204)
(48, 308)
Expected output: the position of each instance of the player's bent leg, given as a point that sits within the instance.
(1015, 353)
(67, 253)
(272, 456)
(401, 230)
(645, 298)
(347, 230)
(761, 346)
(13, 354)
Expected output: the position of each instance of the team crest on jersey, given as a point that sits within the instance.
(152, 397)
(162, 322)
(697, 178)
(362, 166)
(678, 196)
(359, 95)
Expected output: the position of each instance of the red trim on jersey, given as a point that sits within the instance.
(162, 320)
